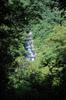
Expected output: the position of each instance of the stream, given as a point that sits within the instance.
(30, 55)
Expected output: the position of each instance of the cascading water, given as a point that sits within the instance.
(30, 55)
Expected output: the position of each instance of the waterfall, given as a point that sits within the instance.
(30, 55)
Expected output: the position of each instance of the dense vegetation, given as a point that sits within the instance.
(45, 77)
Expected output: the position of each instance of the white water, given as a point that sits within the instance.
(30, 48)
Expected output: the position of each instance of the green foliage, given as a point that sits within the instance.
(29, 75)
(54, 47)
(35, 80)
(46, 74)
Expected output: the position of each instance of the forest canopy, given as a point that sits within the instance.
(46, 75)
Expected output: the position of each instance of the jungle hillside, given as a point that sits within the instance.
(33, 49)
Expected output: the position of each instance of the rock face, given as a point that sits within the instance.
(30, 55)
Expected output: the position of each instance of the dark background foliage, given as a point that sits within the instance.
(46, 76)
